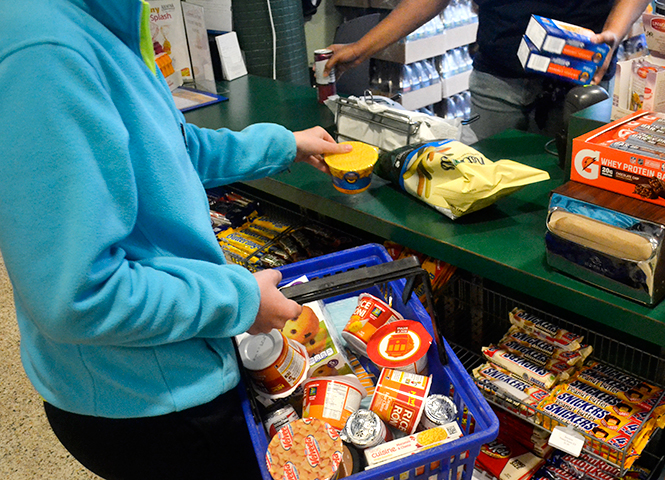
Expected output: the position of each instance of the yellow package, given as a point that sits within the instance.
(454, 178)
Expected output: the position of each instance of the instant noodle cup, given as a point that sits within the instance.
(399, 398)
(370, 314)
(276, 364)
(352, 171)
(400, 345)
(307, 449)
(332, 399)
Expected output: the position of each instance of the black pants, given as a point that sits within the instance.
(210, 441)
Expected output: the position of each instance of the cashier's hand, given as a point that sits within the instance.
(345, 57)
(313, 143)
(274, 309)
(610, 38)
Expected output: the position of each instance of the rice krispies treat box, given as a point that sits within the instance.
(561, 38)
(626, 156)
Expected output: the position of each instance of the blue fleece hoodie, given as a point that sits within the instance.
(124, 302)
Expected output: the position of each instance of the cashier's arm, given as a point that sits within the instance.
(405, 18)
(622, 17)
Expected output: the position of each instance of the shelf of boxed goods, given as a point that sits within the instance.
(428, 48)
(483, 316)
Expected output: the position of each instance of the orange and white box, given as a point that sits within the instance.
(399, 398)
(405, 446)
(626, 156)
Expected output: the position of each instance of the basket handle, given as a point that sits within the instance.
(365, 277)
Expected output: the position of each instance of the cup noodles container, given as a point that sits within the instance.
(399, 398)
(332, 399)
(370, 314)
(400, 345)
(626, 156)
(276, 364)
(307, 449)
(352, 171)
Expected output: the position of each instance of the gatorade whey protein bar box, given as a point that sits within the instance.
(626, 156)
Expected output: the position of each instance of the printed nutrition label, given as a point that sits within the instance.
(292, 367)
(337, 396)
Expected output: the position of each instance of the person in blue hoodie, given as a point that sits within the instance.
(125, 304)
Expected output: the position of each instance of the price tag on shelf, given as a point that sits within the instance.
(567, 439)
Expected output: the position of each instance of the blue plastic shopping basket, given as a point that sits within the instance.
(350, 272)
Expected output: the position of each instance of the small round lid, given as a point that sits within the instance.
(363, 428)
(262, 350)
(398, 344)
(440, 409)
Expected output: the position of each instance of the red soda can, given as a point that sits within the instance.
(325, 85)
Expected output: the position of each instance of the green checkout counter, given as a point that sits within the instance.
(503, 243)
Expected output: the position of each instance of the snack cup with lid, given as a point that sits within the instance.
(352, 171)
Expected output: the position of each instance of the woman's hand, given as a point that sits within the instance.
(313, 143)
(275, 309)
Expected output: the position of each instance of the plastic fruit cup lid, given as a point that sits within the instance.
(398, 344)
(362, 156)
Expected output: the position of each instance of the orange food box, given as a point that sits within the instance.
(626, 156)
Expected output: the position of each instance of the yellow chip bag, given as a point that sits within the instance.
(454, 178)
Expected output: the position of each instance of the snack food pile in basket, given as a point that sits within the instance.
(364, 397)
(543, 373)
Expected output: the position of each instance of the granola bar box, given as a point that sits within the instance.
(626, 156)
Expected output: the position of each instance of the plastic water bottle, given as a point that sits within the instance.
(423, 74)
(433, 74)
(406, 79)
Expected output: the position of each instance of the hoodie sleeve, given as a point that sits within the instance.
(69, 199)
(222, 156)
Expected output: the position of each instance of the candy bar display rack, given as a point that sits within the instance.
(474, 313)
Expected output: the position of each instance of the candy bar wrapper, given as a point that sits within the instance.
(506, 459)
(571, 357)
(623, 417)
(580, 467)
(626, 387)
(270, 223)
(536, 357)
(549, 332)
(532, 437)
(500, 381)
(522, 368)
(452, 177)
(609, 444)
